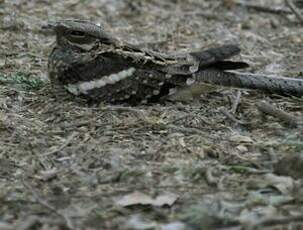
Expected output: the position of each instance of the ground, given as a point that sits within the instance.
(201, 164)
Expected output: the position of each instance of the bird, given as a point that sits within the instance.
(88, 61)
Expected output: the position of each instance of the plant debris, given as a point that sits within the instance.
(213, 161)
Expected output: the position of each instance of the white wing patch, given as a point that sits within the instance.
(85, 87)
(190, 81)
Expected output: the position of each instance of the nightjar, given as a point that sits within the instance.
(88, 61)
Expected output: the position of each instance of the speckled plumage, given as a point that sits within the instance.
(88, 61)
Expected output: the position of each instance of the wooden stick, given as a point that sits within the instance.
(263, 8)
(295, 10)
(267, 108)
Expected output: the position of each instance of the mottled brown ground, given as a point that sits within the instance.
(65, 164)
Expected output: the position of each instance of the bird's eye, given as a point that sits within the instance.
(80, 39)
(77, 33)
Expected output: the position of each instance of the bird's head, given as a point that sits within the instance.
(79, 33)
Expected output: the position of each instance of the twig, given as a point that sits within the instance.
(263, 8)
(209, 16)
(270, 222)
(211, 180)
(67, 221)
(66, 143)
(232, 118)
(32, 221)
(138, 113)
(189, 116)
(295, 10)
(267, 108)
(236, 102)
(186, 130)
(278, 221)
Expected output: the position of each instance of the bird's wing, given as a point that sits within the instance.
(140, 55)
(182, 63)
(189, 63)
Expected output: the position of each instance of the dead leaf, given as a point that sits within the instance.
(174, 226)
(137, 222)
(6, 226)
(165, 199)
(2, 62)
(138, 198)
(290, 165)
(47, 174)
(134, 198)
(242, 148)
(282, 183)
(241, 139)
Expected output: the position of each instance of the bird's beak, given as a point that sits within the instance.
(48, 28)
(49, 25)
